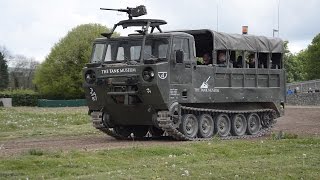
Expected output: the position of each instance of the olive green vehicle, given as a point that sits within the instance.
(152, 83)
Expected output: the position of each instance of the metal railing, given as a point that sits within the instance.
(305, 86)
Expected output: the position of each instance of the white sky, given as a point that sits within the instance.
(32, 27)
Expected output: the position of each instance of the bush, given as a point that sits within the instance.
(21, 97)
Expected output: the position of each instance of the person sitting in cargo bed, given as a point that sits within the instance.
(222, 61)
(207, 59)
(252, 61)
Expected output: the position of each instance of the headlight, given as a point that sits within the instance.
(90, 77)
(148, 74)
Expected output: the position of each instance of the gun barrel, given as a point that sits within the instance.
(120, 10)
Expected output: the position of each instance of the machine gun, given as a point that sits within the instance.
(132, 12)
(136, 12)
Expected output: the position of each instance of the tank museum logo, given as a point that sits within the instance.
(162, 75)
(116, 71)
(205, 87)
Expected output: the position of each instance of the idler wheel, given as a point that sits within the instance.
(238, 125)
(189, 125)
(206, 126)
(222, 125)
(254, 123)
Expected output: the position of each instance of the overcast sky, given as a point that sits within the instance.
(32, 27)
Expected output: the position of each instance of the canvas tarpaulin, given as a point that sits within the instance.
(224, 41)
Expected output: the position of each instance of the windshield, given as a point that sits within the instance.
(123, 50)
(97, 53)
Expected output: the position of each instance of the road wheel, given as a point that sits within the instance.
(206, 126)
(155, 132)
(140, 131)
(222, 125)
(189, 125)
(254, 123)
(238, 125)
(123, 131)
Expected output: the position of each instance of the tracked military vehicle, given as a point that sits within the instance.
(150, 83)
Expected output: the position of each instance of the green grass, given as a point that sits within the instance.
(27, 122)
(288, 158)
(240, 159)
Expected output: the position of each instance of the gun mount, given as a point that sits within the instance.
(145, 24)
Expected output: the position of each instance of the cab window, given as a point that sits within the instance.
(97, 53)
(108, 54)
(120, 54)
(182, 44)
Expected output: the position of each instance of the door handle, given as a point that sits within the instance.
(187, 65)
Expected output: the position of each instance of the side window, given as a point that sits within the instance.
(120, 54)
(182, 44)
(250, 58)
(148, 52)
(222, 58)
(276, 61)
(263, 60)
(163, 50)
(135, 52)
(239, 60)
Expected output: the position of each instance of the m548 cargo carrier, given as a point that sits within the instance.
(190, 85)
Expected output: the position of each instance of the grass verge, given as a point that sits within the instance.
(27, 122)
(239, 159)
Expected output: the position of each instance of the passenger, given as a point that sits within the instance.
(238, 63)
(206, 59)
(222, 61)
(252, 61)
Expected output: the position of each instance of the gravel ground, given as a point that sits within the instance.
(301, 120)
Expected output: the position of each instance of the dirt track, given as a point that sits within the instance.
(304, 121)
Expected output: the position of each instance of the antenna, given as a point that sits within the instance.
(278, 18)
(217, 15)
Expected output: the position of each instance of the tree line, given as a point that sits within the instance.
(304, 65)
(60, 74)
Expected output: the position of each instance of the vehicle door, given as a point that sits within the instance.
(180, 69)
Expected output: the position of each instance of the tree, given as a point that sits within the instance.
(294, 65)
(312, 59)
(60, 75)
(22, 72)
(4, 75)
